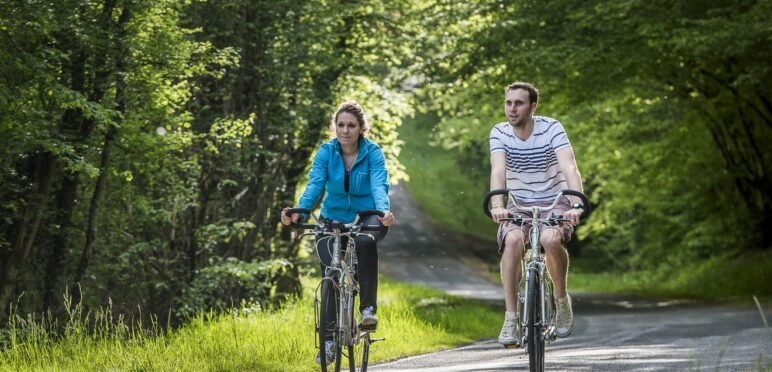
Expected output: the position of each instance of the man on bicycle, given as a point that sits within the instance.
(532, 157)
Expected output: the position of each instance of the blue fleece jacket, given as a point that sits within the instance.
(368, 182)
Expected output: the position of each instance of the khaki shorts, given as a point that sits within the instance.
(565, 230)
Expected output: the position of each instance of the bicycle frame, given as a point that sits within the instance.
(342, 269)
(536, 265)
(340, 273)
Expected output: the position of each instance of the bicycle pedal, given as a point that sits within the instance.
(377, 339)
(368, 328)
(511, 346)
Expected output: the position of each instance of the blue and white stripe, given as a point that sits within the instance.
(532, 164)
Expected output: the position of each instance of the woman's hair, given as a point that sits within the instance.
(353, 108)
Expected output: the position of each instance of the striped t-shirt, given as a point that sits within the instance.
(532, 165)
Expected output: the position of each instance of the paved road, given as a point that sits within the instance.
(610, 334)
(417, 252)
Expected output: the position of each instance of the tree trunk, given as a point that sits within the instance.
(57, 256)
(28, 227)
(93, 213)
(101, 184)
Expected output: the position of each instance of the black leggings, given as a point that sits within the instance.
(367, 267)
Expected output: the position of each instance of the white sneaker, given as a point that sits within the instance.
(369, 320)
(565, 317)
(329, 353)
(509, 333)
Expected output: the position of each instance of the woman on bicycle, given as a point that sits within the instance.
(351, 169)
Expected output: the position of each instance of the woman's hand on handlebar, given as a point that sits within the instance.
(286, 220)
(388, 218)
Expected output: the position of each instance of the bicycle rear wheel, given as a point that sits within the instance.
(328, 314)
(534, 327)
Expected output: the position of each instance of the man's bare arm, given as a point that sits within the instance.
(567, 165)
(498, 181)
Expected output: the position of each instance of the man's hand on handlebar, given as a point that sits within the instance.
(499, 213)
(574, 215)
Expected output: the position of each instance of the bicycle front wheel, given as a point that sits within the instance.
(328, 314)
(534, 327)
(352, 330)
(365, 352)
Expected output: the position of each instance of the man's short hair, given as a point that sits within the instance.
(533, 93)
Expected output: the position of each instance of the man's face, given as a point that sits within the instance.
(518, 107)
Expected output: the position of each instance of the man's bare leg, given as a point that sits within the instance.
(511, 258)
(557, 264)
(557, 259)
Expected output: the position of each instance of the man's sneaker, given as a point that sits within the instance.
(509, 333)
(329, 352)
(369, 320)
(565, 317)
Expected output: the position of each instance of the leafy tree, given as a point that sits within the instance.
(666, 104)
(145, 143)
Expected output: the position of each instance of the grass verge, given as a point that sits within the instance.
(725, 279)
(445, 192)
(413, 320)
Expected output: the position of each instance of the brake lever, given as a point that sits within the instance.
(365, 234)
(305, 234)
(554, 220)
(514, 219)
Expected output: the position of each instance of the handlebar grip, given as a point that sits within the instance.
(370, 212)
(488, 197)
(371, 228)
(586, 203)
(301, 211)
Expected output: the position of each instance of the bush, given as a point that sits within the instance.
(232, 282)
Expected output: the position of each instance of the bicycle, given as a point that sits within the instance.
(340, 286)
(539, 302)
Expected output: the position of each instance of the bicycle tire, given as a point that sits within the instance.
(365, 352)
(329, 293)
(534, 328)
(352, 329)
(363, 346)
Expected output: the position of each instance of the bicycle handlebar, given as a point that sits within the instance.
(341, 226)
(585, 212)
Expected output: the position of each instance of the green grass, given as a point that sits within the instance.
(413, 320)
(447, 192)
(718, 279)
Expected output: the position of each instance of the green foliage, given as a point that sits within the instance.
(142, 143)
(232, 282)
(666, 115)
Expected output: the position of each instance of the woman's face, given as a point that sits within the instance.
(347, 129)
